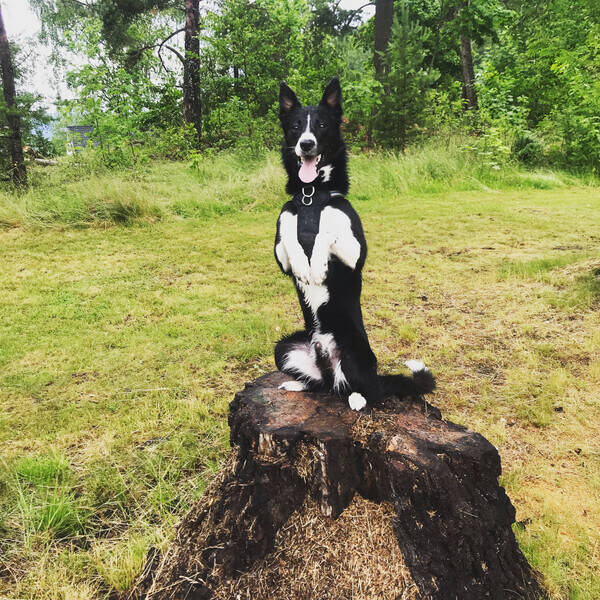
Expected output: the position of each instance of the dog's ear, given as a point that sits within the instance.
(287, 99)
(332, 96)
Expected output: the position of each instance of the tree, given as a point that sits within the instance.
(128, 33)
(248, 48)
(466, 59)
(474, 20)
(543, 76)
(19, 172)
(192, 101)
(384, 17)
(119, 17)
(458, 26)
(406, 80)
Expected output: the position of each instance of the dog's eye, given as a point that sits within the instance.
(296, 126)
(322, 124)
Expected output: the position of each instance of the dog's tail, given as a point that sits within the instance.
(419, 383)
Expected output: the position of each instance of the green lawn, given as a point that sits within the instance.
(121, 347)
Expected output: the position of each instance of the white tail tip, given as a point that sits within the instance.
(416, 365)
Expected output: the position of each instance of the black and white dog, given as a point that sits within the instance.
(321, 245)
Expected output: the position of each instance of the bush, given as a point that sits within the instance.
(233, 125)
(527, 149)
(580, 135)
(172, 143)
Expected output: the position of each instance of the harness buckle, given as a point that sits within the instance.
(306, 196)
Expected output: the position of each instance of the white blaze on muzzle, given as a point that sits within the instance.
(308, 164)
(307, 136)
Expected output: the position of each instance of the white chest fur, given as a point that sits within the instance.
(335, 238)
(315, 296)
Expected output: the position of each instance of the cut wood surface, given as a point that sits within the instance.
(321, 502)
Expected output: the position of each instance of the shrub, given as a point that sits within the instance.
(527, 148)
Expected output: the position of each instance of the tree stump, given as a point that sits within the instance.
(323, 503)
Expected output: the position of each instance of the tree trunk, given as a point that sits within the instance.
(192, 101)
(384, 17)
(319, 501)
(19, 173)
(466, 57)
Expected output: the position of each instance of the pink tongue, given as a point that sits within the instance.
(308, 169)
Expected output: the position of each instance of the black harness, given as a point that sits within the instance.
(309, 203)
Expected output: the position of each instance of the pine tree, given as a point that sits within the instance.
(406, 81)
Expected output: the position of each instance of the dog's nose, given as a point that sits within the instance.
(307, 145)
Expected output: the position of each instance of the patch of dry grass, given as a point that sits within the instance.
(330, 559)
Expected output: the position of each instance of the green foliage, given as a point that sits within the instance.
(362, 92)
(537, 69)
(121, 105)
(527, 148)
(231, 123)
(406, 82)
(543, 76)
(83, 191)
(251, 47)
(476, 19)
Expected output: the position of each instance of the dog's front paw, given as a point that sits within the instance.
(356, 401)
(292, 386)
(319, 270)
(301, 271)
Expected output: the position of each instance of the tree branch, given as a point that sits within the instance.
(160, 46)
(83, 4)
(176, 53)
(180, 30)
(355, 12)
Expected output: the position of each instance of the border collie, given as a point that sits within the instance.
(321, 245)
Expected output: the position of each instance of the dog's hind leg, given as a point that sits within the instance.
(295, 356)
(358, 367)
(365, 389)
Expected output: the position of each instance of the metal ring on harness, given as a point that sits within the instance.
(306, 196)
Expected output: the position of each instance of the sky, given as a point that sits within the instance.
(22, 24)
(23, 27)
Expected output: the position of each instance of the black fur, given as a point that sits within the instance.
(327, 116)
(340, 316)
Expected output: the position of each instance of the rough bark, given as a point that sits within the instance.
(451, 519)
(19, 172)
(384, 17)
(192, 101)
(466, 58)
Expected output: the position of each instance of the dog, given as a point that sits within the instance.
(320, 244)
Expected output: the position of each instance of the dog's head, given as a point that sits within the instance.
(313, 147)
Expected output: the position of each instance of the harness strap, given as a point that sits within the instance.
(309, 195)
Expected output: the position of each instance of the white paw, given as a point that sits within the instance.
(302, 273)
(319, 271)
(416, 365)
(356, 401)
(292, 386)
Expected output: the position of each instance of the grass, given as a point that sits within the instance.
(121, 347)
(81, 193)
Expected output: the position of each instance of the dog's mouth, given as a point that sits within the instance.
(308, 170)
